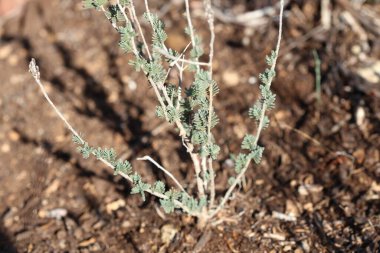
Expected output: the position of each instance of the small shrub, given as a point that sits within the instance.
(189, 110)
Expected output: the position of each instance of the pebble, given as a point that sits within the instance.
(292, 209)
(356, 49)
(87, 242)
(53, 187)
(115, 205)
(252, 80)
(13, 60)
(231, 78)
(5, 148)
(62, 244)
(14, 136)
(360, 116)
(375, 186)
(99, 225)
(371, 73)
(168, 232)
(5, 51)
(126, 224)
(57, 213)
(309, 188)
(359, 155)
(309, 207)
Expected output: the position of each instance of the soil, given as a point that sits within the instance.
(317, 189)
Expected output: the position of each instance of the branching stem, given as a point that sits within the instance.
(261, 124)
(33, 68)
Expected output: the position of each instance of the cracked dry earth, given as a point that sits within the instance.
(321, 165)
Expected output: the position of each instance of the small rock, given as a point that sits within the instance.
(259, 182)
(168, 232)
(359, 155)
(62, 244)
(14, 136)
(115, 205)
(13, 60)
(30, 248)
(57, 213)
(113, 97)
(53, 187)
(99, 225)
(231, 78)
(275, 236)
(132, 85)
(5, 148)
(252, 80)
(292, 209)
(87, 242)
(371, 73)
(126, 224)
(282, 216)
(309, 207)
(360, 116)
(5, 51)
(60, 138)
(375, 186)
(356, 49)
(307, 189)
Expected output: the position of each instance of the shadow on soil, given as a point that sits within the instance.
(6, 245)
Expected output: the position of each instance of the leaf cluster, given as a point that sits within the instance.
(139, 186)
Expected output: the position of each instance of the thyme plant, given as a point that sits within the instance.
(190, 110)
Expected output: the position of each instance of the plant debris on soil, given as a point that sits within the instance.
(317, 190)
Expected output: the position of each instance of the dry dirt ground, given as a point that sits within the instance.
(322, 155)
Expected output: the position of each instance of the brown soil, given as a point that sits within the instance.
(321, 161)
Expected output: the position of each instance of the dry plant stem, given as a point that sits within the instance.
(260, 127)
(197, 167)
(210, 20)
(133, 14)
(212, 183)
(190, 24)
(189, 146)
(148, 158)
(180, 69)
(204, 171)
(35, 72)
(167, 55)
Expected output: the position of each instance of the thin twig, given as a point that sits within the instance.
(212, 183)
(191, 28)
(210, 20)
(148, 158)
(133, 14)
(167, 55)
(33, 68)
